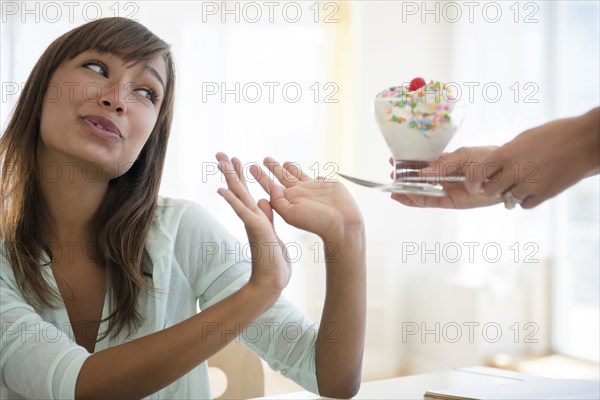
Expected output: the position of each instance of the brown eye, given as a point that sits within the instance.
(150, 94)
(96, 67)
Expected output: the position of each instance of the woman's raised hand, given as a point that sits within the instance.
(326, 209)
(321, 206)
(271, 270)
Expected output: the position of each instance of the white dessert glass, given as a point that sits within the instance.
(417, 126)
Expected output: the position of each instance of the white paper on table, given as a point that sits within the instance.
(532, 390)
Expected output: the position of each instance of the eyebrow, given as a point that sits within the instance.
(155, 73)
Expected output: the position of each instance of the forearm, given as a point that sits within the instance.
(590, 130)
(340, 341)
(141, 367)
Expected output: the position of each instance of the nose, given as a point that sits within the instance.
(113, 99)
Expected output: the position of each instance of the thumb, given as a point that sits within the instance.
(482, 165)
(266, 208)
(278, 202)
(474, 177)
(447, 164)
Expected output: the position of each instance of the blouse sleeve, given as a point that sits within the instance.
(216, 266)
(37, 360)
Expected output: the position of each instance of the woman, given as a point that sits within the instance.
(100, 277)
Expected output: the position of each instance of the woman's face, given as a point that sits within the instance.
(100, 110)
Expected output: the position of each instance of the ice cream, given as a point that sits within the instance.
(416, 119)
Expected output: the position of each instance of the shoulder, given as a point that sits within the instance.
(170, 210)
(186, 232)
(171, 213)
(181, 219)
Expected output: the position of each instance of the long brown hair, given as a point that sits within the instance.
(121, 225)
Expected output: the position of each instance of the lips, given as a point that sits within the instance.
(103, 123)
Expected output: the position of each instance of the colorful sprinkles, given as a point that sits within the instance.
(422, 93)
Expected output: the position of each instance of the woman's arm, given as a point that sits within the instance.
(328, 210)
(144, 366)
(39, 361)
(342, 332)
(59, 368)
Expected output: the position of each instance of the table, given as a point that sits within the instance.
(414, 386)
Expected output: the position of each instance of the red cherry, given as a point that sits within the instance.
(416, 83)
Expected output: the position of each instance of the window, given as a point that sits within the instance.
(577, 261)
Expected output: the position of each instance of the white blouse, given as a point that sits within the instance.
(192, 259)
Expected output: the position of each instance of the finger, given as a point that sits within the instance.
(279, 203)
(502, 180)
(522, 193)
(284, 177)
(261, 177)
(237, 165)
(239, 170)
(391, 161)
(491, 175)
(295, 170)
(266, 208)
(482, 174)
(220, 156)
(504, 160)
(419, 201)
(448, 164)
(403, 199)
(532, 201)
(240, 208)
(441, 168)
(235, 185)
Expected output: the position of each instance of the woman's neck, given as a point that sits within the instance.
(71, 199)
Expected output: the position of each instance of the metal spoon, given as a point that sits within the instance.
(434, 179)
